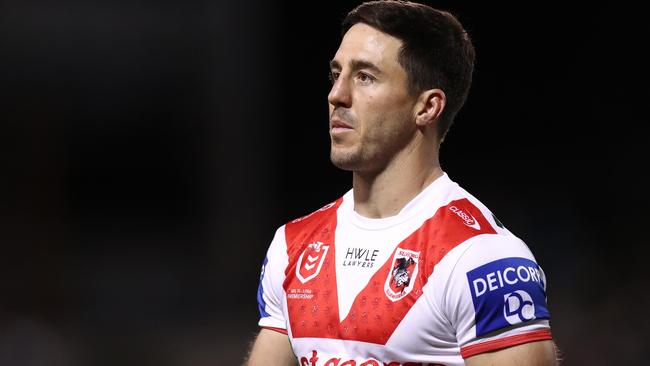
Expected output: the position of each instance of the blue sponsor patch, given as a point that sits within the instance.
(261, 304)
(506, 292)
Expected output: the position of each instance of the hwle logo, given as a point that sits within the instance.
(505, 292)
(360, 257)
(467, 218)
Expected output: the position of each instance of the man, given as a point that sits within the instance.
(407, 268)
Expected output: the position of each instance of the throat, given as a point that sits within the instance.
(384, 196)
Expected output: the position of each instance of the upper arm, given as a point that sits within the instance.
(541, 353)
(496, 297)
(271, 348)
(270, 293)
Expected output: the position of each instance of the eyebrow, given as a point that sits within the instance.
(357, 65)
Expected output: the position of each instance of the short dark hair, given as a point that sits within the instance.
(436, 52)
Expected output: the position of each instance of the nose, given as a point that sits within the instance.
(340, 95)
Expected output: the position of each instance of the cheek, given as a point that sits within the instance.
(386, 111)
(386, 101)
(382, 115)
(392, 126)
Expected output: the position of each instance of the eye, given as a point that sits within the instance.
(365, 78)
(333, 76)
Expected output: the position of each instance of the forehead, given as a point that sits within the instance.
(363, 42)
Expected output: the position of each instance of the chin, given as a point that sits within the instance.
(352, 159)
(344, 160)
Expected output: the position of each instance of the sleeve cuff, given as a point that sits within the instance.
(279, 330)
(497, 344)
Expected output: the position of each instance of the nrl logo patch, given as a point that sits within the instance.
(401, 277)
(311, 260)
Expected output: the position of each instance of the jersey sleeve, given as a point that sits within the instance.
(496, 296)
(270, 293)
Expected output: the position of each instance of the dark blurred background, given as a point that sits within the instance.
(149, 150)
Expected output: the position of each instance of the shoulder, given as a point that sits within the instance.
(321, 222)
(457, 213)
(483, 261)
(485, 241)
(480, 260)
(493, 265)
(485, 274)
(317, 215)
(461, 198)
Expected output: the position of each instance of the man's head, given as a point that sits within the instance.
(396, 59)
(436, 51)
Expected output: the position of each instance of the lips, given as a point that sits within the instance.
(338, 124)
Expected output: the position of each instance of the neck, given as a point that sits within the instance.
(384, 193)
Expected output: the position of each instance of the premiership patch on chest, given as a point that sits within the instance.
(311, 261)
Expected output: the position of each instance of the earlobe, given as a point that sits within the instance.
(431, 104)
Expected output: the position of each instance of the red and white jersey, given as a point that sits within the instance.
(441, 281)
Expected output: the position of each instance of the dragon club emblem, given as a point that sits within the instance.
(402, 274)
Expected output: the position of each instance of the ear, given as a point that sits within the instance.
(429, 106)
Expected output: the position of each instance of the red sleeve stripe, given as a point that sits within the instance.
(279, 330)
(497, 344)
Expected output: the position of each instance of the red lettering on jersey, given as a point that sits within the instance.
(370, 363)
(334, 361)
(312, 360)
(379, 308)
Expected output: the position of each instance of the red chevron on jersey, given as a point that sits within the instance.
(314, 303)
(313, 308)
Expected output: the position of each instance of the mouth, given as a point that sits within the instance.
(336, 126)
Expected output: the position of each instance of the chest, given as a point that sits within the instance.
(352, 285)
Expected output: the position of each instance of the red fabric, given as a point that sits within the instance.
(279, 330)
(501, 343)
